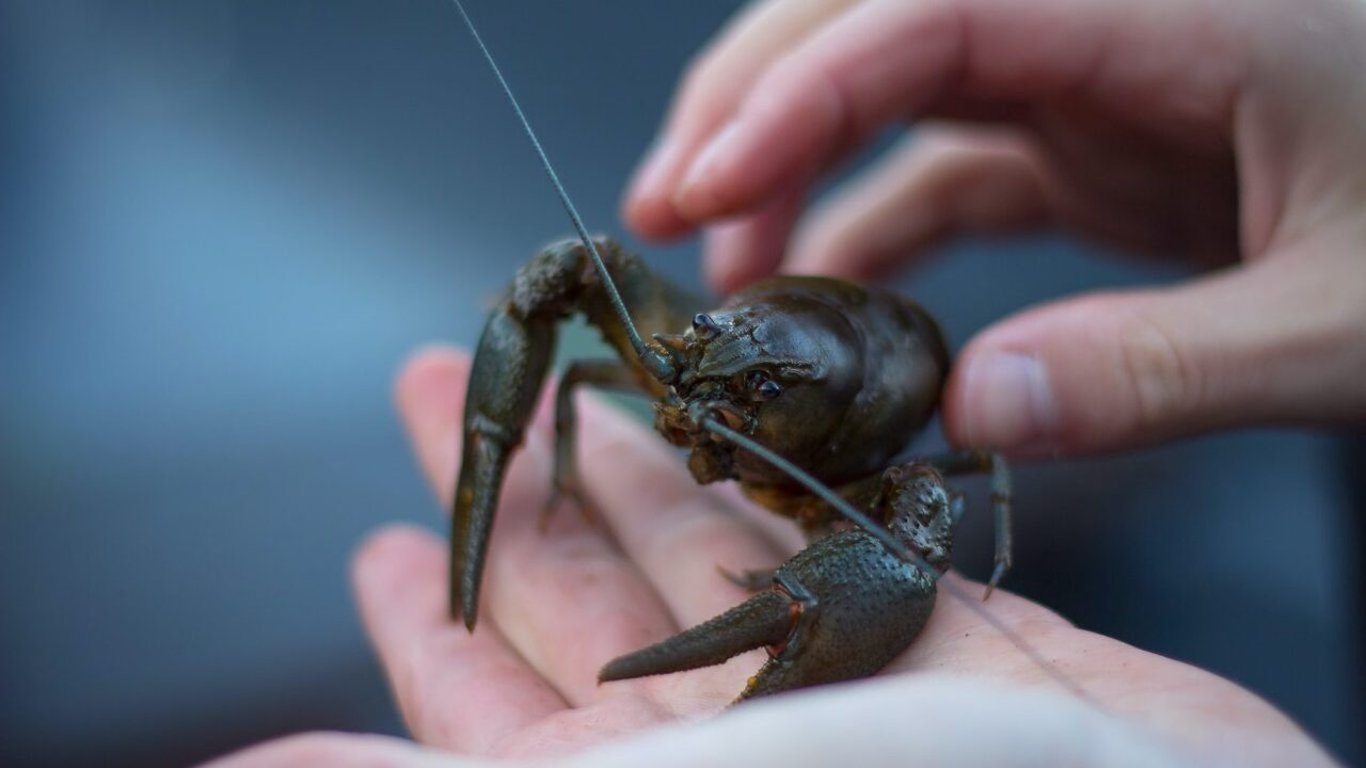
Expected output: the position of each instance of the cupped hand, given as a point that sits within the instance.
(1212, 132)
(560, 602)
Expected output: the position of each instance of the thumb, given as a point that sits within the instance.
(1279, 341)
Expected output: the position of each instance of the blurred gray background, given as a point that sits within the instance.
(224, 224)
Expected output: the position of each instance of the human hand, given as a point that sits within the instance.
(1198, 130)
(560, 603)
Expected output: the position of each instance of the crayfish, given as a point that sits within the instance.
(803, 389)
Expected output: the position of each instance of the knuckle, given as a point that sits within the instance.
(707, 81)
(1165, 385)
(808, 91)
(793, 75)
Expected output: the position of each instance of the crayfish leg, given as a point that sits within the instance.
(973, 461)
(609, 375)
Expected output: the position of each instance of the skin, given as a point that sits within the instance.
(641, 570)
(1226, 136)
(1238, 146)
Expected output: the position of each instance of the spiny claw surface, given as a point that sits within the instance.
(764, 619)
(840, 609)
(843, 608)
(509, 366)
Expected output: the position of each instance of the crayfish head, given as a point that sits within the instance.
(784, 372)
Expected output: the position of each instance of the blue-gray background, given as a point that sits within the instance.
(224, 224)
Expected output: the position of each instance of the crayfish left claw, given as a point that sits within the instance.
(472, 521)
(509, 366)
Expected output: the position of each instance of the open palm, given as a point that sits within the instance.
(560, 602)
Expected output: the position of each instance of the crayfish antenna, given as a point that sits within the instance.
(655, 361)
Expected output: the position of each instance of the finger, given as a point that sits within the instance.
(711, 89)
(565, 598)
(885, 60)
(1277, 341)
(564, 594)
(938, 184)
(456, 689)
(340, 750)
(955, 721)
(429, 394)
(742, 251)
(678, 534)
(1168, 697)
(676, 531)
(434, 666)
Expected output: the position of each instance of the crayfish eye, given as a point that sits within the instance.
(704, 326)
(764, 387)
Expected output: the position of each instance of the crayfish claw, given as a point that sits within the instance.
(509, 365)
(765, 619)
(840, 609)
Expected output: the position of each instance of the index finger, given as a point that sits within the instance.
(888, 60)
(713, 87)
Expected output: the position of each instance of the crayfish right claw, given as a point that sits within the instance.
(764, 619)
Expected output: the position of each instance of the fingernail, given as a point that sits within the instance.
(1010, 401)
(692, 196)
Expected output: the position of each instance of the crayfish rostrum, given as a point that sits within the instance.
(831, 376)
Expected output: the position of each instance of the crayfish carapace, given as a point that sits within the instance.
(803, 389)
